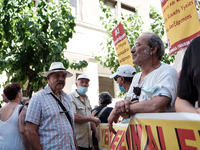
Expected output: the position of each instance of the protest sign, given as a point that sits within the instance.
(108, 140)
(122, 45)
(181, 23)
(158, 131)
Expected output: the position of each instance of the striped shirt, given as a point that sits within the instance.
(55, 131)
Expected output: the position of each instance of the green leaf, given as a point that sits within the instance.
(133, 26)
(30, 39)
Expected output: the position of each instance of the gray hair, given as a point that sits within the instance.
(105, 98)
(155, 41)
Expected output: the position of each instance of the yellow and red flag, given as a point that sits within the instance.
(122, 46)
(181, 23)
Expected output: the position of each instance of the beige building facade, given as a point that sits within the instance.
(85, 43)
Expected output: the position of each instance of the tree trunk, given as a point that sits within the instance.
(28, 91)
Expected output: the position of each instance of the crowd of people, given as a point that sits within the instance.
(52, 119)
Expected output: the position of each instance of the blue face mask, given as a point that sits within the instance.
(150, 91)
(122, 88)
(82, 90)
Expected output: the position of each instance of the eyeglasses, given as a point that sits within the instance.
(136, 45)
(115, 78)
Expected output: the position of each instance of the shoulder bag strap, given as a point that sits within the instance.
(63, 108)
(99, 114)
(21, 109)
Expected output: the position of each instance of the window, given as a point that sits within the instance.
(126, 10)
(73, 5)
(112, 5)
(118, 8)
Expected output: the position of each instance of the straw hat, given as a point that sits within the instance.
(57, 67)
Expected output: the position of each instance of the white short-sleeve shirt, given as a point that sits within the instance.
(160, 82)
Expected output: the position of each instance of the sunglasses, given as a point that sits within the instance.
(115, 78)
(137, 91)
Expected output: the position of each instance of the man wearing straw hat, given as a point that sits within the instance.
(50, 120)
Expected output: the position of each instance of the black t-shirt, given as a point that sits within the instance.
(189, 81)
(105, 114)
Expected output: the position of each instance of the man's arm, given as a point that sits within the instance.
(182, 105)
(83, 119)
(113, 117)
(93, 127)
(116, 113)
(22, 127)
(155, 105)
(33, 137)
(126, 107)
